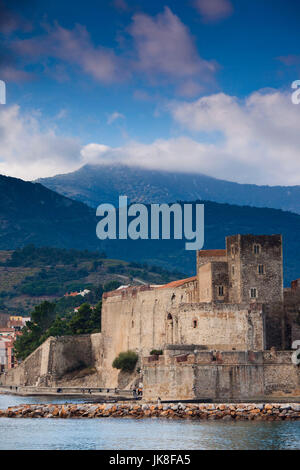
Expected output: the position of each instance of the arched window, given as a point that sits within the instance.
(169, 317)
(195, 323)
(256, 249)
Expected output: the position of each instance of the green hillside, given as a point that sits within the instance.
(31, 275)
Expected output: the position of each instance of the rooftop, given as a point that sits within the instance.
(178, 283)
(208, 253)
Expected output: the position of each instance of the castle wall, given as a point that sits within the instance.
(204, 271)
(53, 359)
(220, 278)
(222, 326)
(234, 375)
(143, 319)
(205, 284)
(136, 319)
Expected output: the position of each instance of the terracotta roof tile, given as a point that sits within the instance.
(178, 283)
(206, 253)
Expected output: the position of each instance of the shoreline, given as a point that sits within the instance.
(204, 411)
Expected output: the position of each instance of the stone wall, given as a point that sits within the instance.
(241, 255)
(137, 319)
(220, 326)
(55, 358)
(142, 319)
(227, 375)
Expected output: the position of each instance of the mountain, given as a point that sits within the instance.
(96, 184)
(31, 213)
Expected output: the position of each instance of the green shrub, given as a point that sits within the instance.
(156, 352)
(126, 361)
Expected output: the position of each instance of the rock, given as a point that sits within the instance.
(227, 418)
(221, 407)
(268, 407)
(295, 407)
(255, 411)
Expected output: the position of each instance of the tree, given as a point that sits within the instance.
(34, 333)
(79, 323)
(59, 327)
(47, 320)
(111, 285)
(95, 318)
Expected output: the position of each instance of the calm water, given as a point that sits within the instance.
(126, 434)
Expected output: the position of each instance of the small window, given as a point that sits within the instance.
(170, 317)
(232, 251)
(256, 249)
(253, 293)
(261, 269)
(195, 324)
(221, 291)
(233, 270)
(132, 324)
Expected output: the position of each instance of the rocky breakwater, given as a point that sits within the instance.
(226, 412)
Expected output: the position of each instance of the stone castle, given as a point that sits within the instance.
(216, 331)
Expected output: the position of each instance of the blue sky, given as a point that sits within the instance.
(162, 84)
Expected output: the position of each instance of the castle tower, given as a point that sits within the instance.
(212, 275)
(255, 268)
(249, 270)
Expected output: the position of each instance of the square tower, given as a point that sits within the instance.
(212, 274)
(255, 268)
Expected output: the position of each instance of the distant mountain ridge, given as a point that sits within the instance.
(96, 184)
(31, 213)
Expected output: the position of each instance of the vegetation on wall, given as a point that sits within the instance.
(156, 352)
(126, 361)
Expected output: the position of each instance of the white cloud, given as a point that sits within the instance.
(74, 47)
(214, 10)
(93, 153)
(166, 51)
(114, 117)
(29, 152)
(162, 51)
(259, 136)
(255, 140)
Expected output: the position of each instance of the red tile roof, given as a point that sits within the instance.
(208, 253)
(178, 283)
